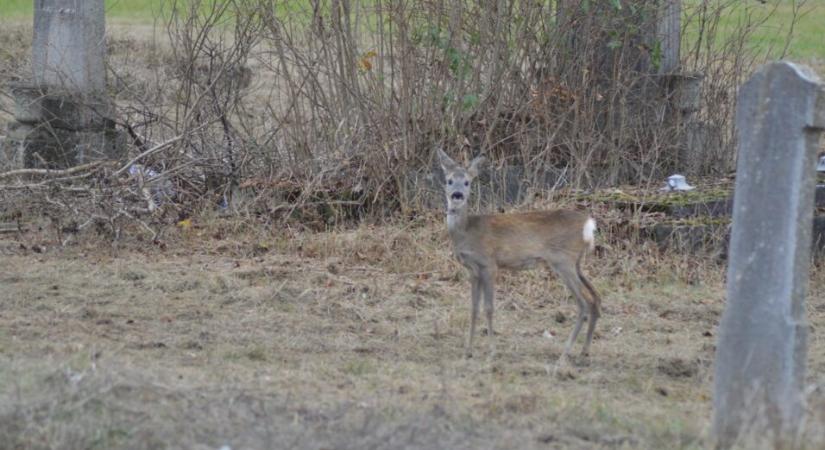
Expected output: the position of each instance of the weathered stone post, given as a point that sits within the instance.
(650, 33)
(68, 48)
(669, 34)
(760, 359)
(62, 115)
(641, 37)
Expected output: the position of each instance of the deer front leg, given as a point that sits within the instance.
(486, 280)
(475, 296)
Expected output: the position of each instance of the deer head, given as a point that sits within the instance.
(458, 181)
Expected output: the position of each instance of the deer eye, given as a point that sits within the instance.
(450, 181)
(466, 183)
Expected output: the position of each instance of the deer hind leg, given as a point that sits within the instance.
(594, 306)
(475, 296)
(570, 278)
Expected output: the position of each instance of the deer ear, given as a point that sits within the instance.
(474, 165)
(447, 163)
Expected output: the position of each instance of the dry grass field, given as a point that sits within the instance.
(231, 335)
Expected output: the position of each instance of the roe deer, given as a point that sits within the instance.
(486, 243)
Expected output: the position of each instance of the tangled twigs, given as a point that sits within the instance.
(152, 150)
(54, 172)
(93, 193)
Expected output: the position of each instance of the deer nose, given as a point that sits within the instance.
(457, 196)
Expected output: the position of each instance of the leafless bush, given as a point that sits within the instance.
(364, 90)
(327, 108)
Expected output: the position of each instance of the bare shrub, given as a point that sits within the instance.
(321, 111)
(366, 90)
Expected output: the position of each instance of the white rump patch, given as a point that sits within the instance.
(588, 232)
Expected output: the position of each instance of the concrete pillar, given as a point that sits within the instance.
(63, 116)
(761, 353)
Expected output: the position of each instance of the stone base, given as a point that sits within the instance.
(692, 239)
(41, 146)
(61, 109)
(715, 238)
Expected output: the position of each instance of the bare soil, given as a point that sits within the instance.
(345, 339)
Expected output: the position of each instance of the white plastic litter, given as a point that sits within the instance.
(677, 182)
(821, 166)
(161, 188)
(147, 173)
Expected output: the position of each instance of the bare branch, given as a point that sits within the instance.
(152, 150)
(53, 172)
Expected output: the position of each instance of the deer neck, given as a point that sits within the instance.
(457, 222)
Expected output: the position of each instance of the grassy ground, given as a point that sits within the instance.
(774, 18)
(349, 339)
(121, 9)
(772, 22)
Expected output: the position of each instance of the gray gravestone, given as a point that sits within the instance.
(62, 114)
(668, 34)
(651, 47)
(608, 38)
(760, 360)
(68, 47)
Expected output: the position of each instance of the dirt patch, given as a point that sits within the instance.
(678, 368)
